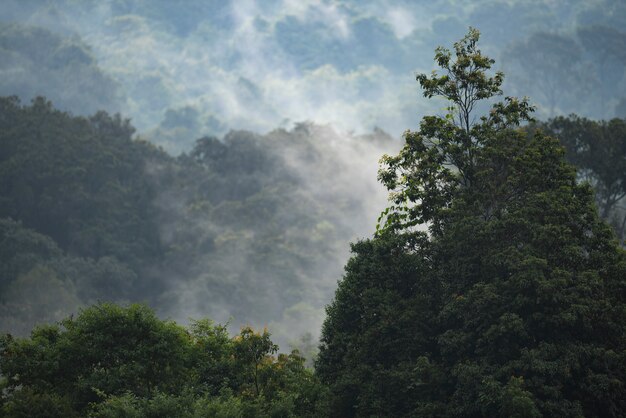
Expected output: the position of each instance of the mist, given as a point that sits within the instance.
(304, 98)
(185, 70)
(276, 238)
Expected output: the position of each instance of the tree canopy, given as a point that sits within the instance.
(112, 361)
(492, 287)
(249, 226)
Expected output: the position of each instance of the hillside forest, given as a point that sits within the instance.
(231, 248)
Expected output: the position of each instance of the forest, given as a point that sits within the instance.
(474, 268)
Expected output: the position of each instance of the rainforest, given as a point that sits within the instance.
(313, 209)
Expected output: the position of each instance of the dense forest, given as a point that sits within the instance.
(245, 228)
(160, 257)
(513, 235)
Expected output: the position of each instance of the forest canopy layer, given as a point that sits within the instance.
(493, 284)
(247, 229)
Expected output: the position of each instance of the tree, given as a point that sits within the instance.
(598, 149)
(375, 328)
(606, 48)
(107, 350)
(551, 66)
(251, 350)
(39, 283)
(444, 155)
(513, 285)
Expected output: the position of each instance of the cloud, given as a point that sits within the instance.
(401, 20)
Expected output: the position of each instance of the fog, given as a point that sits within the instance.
(242, 66)
(310, 81)
(274, 256)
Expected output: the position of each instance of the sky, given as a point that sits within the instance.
(183, 69)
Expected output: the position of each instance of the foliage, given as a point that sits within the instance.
(444, 155)
(124, 361)
(514, 294)
(598, 149)
(484, 219)
(21, 249)
(80, 181)
(375, 328)
(27, 403)
(102, 215)
(251, 349)
(42, 284)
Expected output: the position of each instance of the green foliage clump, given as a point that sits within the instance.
(124, 361)
(41, 283)
(492, 288)
(80, 181)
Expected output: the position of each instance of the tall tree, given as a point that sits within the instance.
(513, 285)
